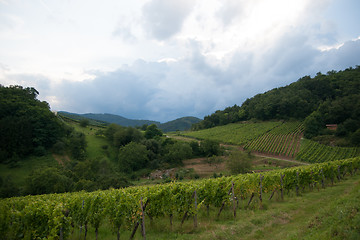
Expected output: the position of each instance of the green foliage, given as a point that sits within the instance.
(210, 148)
(77, 145)
(236, 133)
(180, 124)
(8, 188)
(177, 152)
(27, 125)
(239, 162)
(48, 180)
(152, 131)
(44, 216)
(355, 138)
(133, 156)
(120, 136)
(281, 140)
(324, 99)
(195, 146)
(84, 122)
(314, 152)
(106, 118)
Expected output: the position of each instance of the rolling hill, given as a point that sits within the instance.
(180, 124)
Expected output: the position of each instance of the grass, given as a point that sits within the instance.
(331, 213)
(24, 167)
(95, 143)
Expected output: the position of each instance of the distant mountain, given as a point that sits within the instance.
(109, 118)
(180, 124)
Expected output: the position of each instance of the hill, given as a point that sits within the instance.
(109, 118)
(332, 98)
(180, 124)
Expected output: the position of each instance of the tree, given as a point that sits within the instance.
(133, 156)
(77, 145)
(26, 124)
(48, 180)
(313, 124)
(178, 152)
(355, 138)
(152, 131)
(239, 162)
(210, 148)
(84, 123)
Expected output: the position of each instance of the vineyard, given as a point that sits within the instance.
(283, 140)
(55, 216)
(314, 152)
(236, 133)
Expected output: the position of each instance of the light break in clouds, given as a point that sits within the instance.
(160, 59)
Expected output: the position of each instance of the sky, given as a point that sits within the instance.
(165, 59)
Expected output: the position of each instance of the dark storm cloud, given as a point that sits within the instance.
(192, 86)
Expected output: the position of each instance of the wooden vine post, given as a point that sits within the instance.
(143, 233)
(297, 183)
(143, 207)
(260, 196)
(339, 174)
(82, 207)
(282, 186)
(223, 204)
(233, 198)
(322, 179)
(195, 215)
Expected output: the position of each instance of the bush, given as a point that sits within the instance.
(59, 147)
(239, 162)
(133, 156)
(84, 123)
(48, 180)
(40, 151)
(210, 148)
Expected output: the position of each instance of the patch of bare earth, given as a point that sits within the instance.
(203, 168)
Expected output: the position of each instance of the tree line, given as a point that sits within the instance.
(332, 98)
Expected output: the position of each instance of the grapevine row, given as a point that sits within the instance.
(237, 133)
(53, 216)
(281, 140)
(315, 152)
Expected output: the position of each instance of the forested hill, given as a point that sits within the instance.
(180, 124)
(326, 98)
(109, 118)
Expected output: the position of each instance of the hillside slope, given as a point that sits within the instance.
(109, 118)
(333, 98)
(180, 124)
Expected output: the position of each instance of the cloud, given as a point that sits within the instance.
(208, 55)
(163, 18)
(165, 91)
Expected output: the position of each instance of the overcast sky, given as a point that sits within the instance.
(164, 59)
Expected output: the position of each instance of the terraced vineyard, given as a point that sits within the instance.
(282, 140)
(314, 152)
(237, 133)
